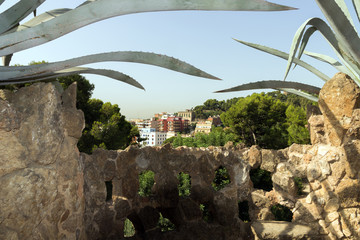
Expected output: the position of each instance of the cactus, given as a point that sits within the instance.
(56, 23)
(340, 33)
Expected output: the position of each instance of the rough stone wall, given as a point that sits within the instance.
(41, 193)
(327, 208)
(51, 191)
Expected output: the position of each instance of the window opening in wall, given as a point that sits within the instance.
(244, 211)
(129, 229)
(222, 178)
(184, 184)
(299, 185)
(206, 213)
(146, 182)
(261, 179)
(165, 224)
(109, 189)
(282, 213)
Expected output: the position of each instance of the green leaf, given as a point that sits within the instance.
(78, 70)
(40, 19)
(356, 4)
(345, 32)
(333, 62)
(285, 56)
(300, 93)
(13, 73)
(324, 29)
(274, 84)
(11, 17)
(102, 9)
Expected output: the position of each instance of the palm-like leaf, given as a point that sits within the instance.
(13, 73)
(56, 23)
(293, 87)
(11, 17)
(103, 9)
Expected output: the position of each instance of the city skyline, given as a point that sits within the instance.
(203, 39)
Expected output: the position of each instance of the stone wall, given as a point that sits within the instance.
(51, 191)
(41, 193)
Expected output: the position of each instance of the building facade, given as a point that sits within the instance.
(187, 115)
(153, 138)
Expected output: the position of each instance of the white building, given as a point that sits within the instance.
(153, 138)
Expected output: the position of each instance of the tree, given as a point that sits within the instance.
(105, 127)
(258, 120)
(296, 119)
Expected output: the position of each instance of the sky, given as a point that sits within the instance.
(201, 38)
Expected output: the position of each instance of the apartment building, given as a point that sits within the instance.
(153, 138)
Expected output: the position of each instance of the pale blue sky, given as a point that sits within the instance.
(203, 39)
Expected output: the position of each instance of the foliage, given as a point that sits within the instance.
(105, 127)
(146, 182)
(244, 211)
(258, 120)
(296, 119)
(129, 229)
(339, 31)
(165, 224)
(213, 107)
(282, 213)
(222, 178)
(206, 213)
(184, 184)
(299, 185)
(44, 28)
(217, 137)
(261, 179)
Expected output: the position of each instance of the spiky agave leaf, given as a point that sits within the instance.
(343, 29)
(328, 34)
(13, 73)
(11, 17)
(285, 56)
(78, 70)
(300, 93)
(1, 1)
(356, 4)
(274, 84)
(103, 9)
(333, 62)
(39, 19)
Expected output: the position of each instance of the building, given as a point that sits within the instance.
(172, 124)
(187, 115)
(203, 127)
(153, 138)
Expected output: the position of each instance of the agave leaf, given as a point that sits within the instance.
(300, 93)
(274, 84)
(321, 26)
(79, 70)
(285, 56)
(1, 1)
(333, 62)
(308, 33)
(40, 19)
(17, 12)
(343, 29)
(103, 9)
(11, 73)
(344, 8)
(356, 4)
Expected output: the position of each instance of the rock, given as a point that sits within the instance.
(270, 159)
(337, 99)
(316, 125)
(282, 230)
(41, 175)
(283, 181)
(254, 157)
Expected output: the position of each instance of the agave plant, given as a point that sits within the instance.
(56, 23)
(340, 33)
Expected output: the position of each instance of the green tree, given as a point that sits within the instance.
(258, 119)
(296, 119)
